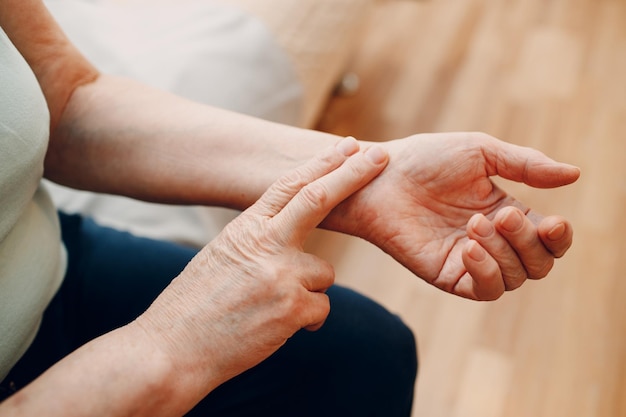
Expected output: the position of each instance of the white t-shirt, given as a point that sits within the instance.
(32, 257)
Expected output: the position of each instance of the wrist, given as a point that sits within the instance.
(171, 387)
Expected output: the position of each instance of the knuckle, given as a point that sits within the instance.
(513, 282)
(302, 308)
(490, 293)
(542, 269)
(307, 173)
(315, 194)
(494, 296)
(324, 309)
(316, 313)
(292, 303)
(479, 136)
(290, 182)
(359, 167)
(328, 273)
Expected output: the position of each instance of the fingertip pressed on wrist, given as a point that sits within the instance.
(348, 146)
(376, 154)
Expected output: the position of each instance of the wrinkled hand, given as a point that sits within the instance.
(253, 287)
(436, 211)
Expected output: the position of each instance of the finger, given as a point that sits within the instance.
(287, 186)
(318, 311)
(480, 229)
(527, 165)
(315, 200)
(557, 234)
(523, 237)
(483, 280)
(313, 273)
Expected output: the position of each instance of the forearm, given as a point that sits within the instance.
(116, 136)
(120, 137)
(118, 374)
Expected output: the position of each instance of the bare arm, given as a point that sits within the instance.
(117, 136)
(121, 137)
(118, 374)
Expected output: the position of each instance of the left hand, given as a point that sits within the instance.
(436, 211)
(252, 287)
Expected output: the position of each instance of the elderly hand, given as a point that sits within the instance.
(252, 288)
(436, 211)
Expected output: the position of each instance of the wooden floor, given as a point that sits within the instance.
(544, 73)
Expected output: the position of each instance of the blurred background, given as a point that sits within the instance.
(550, 74)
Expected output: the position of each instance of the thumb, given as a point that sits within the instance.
(527, 165)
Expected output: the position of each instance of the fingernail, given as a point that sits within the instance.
(557, 232)
(348, 146)
(512, 222)
(570, 166)
(476, 252)
(483, 227)
(376, 154)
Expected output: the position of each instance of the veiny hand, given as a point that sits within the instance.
(436, 211)
(253, 287)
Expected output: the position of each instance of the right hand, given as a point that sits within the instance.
(253, 287)
(436, 210)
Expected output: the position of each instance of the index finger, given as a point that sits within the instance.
(286, 187)
(315, 200)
